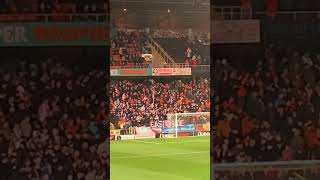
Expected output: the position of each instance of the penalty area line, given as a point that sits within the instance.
(178, 142)
(146, 142)
(164, 142)
(158, 155)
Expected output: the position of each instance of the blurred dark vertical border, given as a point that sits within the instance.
(13, 56)
(212, 91)
(107, 65)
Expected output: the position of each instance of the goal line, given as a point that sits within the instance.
(158, 155)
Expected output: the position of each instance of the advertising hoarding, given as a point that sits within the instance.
(171, 71)
(54, 34)
(135, 72)
(180, 129)
(150, 72)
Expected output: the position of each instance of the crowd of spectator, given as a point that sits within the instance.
(52, 122)
(270, 113)
(167, 33)
(127, 48)
(200, 36)
(139, 101)
(197, 53)
(196, 46)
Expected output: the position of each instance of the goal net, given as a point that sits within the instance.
(186, 124)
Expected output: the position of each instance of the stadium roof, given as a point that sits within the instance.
(144, 12)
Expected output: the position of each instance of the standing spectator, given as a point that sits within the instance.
(246, 9)
(271, 8)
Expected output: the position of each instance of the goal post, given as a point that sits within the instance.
(187, 124)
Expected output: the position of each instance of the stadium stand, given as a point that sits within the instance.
(266, 96)
(273, 108)
(269, 112)
(197, 49)
(269, 101)
(127, 47)
(53, 99)
(139, 101)
(52, 118)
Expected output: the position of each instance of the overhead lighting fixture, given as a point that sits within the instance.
(169, 10)
(124, 10)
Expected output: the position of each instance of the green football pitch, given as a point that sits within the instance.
(161, 159)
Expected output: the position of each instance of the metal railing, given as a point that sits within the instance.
(166, 65)
(226, 12)
(283, 166)
(235, 13)
(55, 17)
(164, 55)
(260, 166)
(290, 15)
(143, 65)
(183, 65)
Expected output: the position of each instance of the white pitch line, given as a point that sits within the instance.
(157, 155)
(183, 141)
(146, 142)
(163, 142)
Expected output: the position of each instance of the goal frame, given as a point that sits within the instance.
(176, 118)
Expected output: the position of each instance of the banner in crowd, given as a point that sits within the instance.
(144, 132)
(166, 123)
(235, 31)
(165, 126)
(204, 133)
(114, 72)
(181, 71)
(162, 71)
(131, 72)
(188, 134)
(180, 129)
(171, 71)
(203, 127)
(54, 34)
(157, 126)
(157, 123)
(126, 137)
(150, 72)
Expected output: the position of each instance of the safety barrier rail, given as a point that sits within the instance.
(235, 13)
(54, 17)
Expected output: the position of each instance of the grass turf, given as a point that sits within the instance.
(161, 159)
